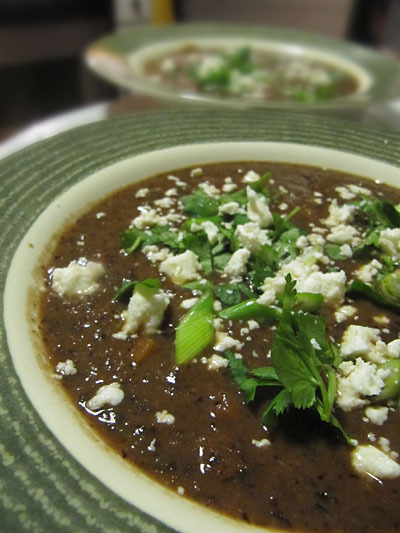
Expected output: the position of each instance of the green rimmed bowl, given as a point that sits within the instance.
(45, 484)
(118, 58)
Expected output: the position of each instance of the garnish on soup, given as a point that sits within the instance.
(233, 330)
(251, 73)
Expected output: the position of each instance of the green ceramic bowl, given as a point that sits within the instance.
(54, 474)
(117, 58)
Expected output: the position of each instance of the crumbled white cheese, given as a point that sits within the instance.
(215, 362)
(111, 394)
(209, 228)
(302, 242)
(257, 208)
(382, 320)
(152, 446)
(251, 236)
(178, 182)
(195, 172)
(332, 286)
(300, 269)
(250, 177)
(253, 324)
(145, 311)
(78, 278)
(209, 64)
(180, 491)
(393, 349)
(367, 459)
(389, 241)
(230, 208)
(315, 344)
(345, 312)
(263, 443)
(224, 342)
(316, 240)
(229, 186)
(377, 415)
(165, 203)
(366, 273)
(188, 303)
(366, 342)
(344, 234)
(142, 193)
(236, 265)
(181, 268)
(339, 214)
(163, 417)
(148, 218)
(346, 250)
(155, 254)
(210, 189)
(172, 192)
(357, 381)
(66, 368)
(357, 189)
(217, 306)
(358, 341)
(345, 193)
(384, 445)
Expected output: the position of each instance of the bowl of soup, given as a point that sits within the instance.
(205, 326)
(235, 66)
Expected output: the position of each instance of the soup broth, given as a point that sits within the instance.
(163, 301)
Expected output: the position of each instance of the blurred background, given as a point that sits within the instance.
(42, 41)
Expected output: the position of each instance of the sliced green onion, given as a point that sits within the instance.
(391, 389)
(362, 290)
(195, 331)
(308, 301)
(389, 286)
(251, 310)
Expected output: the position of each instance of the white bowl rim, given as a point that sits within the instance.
(56, 412)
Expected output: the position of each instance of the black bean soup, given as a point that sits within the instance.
(246, 72)
(230, 234)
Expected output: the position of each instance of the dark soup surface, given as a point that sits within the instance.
(251, 73)
(233, 330)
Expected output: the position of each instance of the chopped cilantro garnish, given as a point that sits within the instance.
(304, 362)
(127, 287)
(133, 238)
(199, 204)
(199, 244)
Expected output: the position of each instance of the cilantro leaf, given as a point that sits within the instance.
(221, 260)
(200, 204)
(304, 364)
(127, 287)
(199, 244)
(333, 252)
(133, 238)
(379, 213)
(248, 381)
(229, 294)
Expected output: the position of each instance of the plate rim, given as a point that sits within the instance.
(73, 155)
(108, 58)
